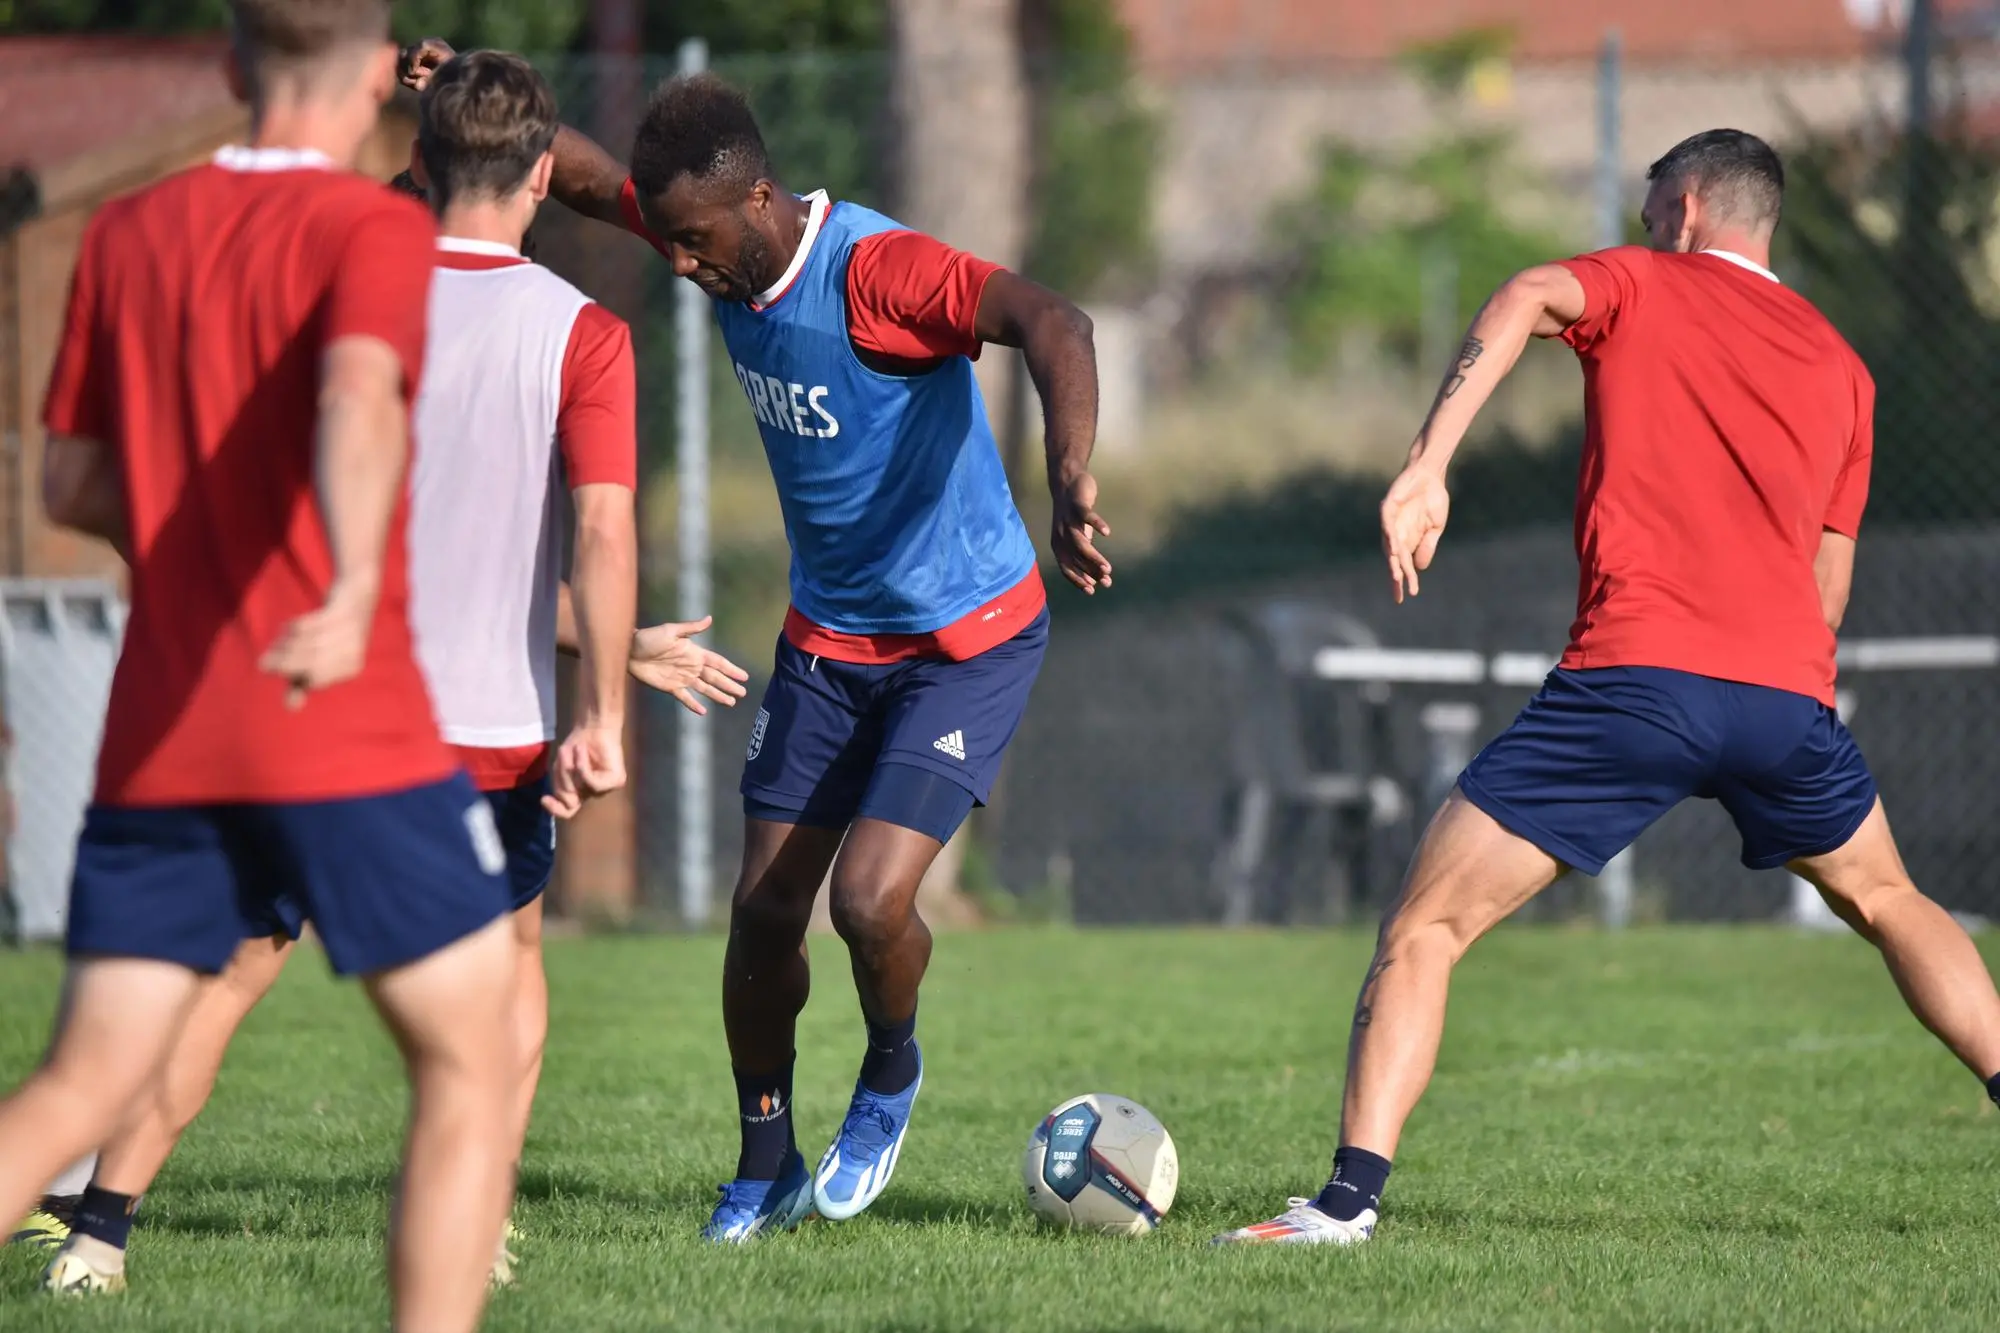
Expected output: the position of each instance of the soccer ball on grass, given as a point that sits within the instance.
(1101, 1163)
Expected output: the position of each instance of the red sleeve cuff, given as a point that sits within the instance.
(635, 221)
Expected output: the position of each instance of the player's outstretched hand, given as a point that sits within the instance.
(324, 647)
(1077, 528)
(589, 764)
(667, 658)
(418, 61)
(1413, 518)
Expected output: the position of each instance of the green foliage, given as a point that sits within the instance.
(530, 25)
(826, 119)
(1896, 248)
(738, 26)
(26, 16)
(511, 25)
(1383, 244)
(1096, 145)
(1320, 518)
(1446, 66)
(1374, 238)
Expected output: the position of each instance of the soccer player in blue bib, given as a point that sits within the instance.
(918, 616)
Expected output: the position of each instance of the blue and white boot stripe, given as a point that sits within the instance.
(870, 1180)
(780, 1209)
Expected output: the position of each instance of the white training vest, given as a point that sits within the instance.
(486, 519)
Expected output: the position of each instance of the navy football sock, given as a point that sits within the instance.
(764, 1101)
(1993, 1089)
(105, 1216)
(1358, 1178)
(891, 1063)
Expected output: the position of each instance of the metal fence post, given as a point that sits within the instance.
(1610, 192)
(697, 770)
(1615, 885)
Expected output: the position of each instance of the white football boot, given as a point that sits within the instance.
(1303, 1224)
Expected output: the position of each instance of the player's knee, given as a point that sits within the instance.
(864, 914)
(1431, 934)
(768, 919)
(1864, 902)
(94, 1094)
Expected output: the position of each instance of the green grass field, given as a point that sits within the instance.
(1669, 1129)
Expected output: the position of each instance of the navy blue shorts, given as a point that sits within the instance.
(385, 880)
(834, 741)
(528, 833)
(1599, 755)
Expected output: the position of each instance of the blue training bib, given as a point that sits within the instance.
(895, 501)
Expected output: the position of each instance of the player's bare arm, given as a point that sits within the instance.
(1833, 570)
(363, 446)
(604, 593)
(1536, 303)
(586, 179)
(84, 490)
(1055, 337)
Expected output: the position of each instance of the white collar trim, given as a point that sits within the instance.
(1740, 262)
(241, 157)
(462, 245)
(815, 218)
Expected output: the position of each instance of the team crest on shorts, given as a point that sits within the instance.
(757, 735)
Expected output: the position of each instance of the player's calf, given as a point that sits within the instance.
(1934, 962)
(451, 1013)
(874, 910)
(121, 1016)
(128, 1163)
(1469, 874)
(873, 905)
(765, 981)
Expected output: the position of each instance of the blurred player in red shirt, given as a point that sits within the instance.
(1728, 435)
(230, 408)
(527, 383)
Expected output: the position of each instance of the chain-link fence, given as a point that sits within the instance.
(1278, 258)
(1246, 729)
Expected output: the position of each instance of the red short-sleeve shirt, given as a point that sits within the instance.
(200, 310)
(1727, 427)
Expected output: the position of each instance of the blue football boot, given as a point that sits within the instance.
(750, 1208)
(858, 1164)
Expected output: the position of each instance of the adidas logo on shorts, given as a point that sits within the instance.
(953, 745)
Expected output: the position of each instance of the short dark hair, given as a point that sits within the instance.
(405, 183)
(487, 119)
(303, 30)
(1738, 172)
(697, 125)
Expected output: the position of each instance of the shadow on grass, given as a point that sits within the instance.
(543, 1186)
(919, 1208)
(216, 1203)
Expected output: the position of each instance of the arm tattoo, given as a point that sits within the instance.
(1364, 1008)
(1468, 357)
